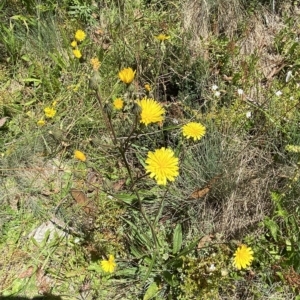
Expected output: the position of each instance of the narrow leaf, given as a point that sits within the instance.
(177, 238)
(151, 291)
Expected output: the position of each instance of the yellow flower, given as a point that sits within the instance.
(50, 112)
(118, 103)
(152, 111)
(41, 122)
(109, 265)
(74, 44)
(126, 75)
(77, 53)
(193, 130)
(162, 37)
(95, 63)
(80, 35)
(243, 257)
(147, 87)
(162, 165)
(79, 155)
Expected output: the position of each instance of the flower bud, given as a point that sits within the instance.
(136, 109)
(107, 108)
(95, 81)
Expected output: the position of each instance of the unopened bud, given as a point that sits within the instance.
(136, 109)
(107, 108)
(95, 81)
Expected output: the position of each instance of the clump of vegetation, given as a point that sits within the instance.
(149, 150)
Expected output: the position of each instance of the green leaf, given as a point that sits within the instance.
(272, 226)
(151, 291)
(177, 238)
(288, 245)
(95, 266)
(169, 278)
(128, 272)
(126, 198)
(35, 80)
(185, 251)
(137, 254)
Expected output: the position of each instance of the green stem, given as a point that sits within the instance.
(106, 118)
(122, 151)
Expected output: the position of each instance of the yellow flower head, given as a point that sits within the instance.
(95, 63)
(74, 44)
(243, 257)
(50, 112)
(109, 265)
(162, 37)
(193, 130)
(79, 155)
(152, 111)
(41, 122)
(147, 87)
(77, 53)
(80, 35)
(118, 103)
(162, 165)
(126, 75)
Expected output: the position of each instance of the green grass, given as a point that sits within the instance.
(237, 184)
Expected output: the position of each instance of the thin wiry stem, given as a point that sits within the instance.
(122, 150)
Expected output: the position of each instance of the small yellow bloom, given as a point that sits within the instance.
(95, 63)
(74, 44)
(162, 37)
(80, 35)
(79, 155)
(109, 265)
(41, 122)
(152, 111)
(193, 130)
(147, 87)
(127, 75)
(118, 103)
(54, 103)
(50, 112)
(243, 257)
(162, 165)
(77, 53)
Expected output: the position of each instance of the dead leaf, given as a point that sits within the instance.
(27, 273)
(199, 193)
(81, 199)
(99, 31)
(93, 180)
(118, 185)
(42, 282)
(227, 78)
(204, 241)
(3, 121)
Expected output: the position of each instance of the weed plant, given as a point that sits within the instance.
(149, 150)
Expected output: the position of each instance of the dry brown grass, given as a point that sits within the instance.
(253, 32)
(238, 176)
(206, 18)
